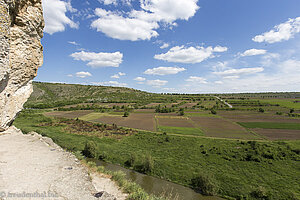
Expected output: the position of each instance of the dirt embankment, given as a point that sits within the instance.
(33, 167)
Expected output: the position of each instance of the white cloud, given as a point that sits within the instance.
(99, 59)
(281, 32)
(55, 16)
(196, 79)
(156, 83)
(218, 82)
(220, 49)
(164, 71)
(118, 75)
(74, 43)
(164, 46)
(142, 24)
(181, 54)
(114, 25)
(115, 76)
(70, 75)
(139, 79)
(235, 73)
(254, 52)
(108, 2)
(111, 83)
(83, 74)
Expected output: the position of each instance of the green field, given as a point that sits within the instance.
(271, 125)
(181, 130)
(240, 169)
(288, 103)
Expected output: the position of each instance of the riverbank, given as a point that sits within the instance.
(34, 165)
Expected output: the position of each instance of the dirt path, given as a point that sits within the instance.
(34, 165)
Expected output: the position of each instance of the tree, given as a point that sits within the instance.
(90, 149)
(261, 110)
(292, 110)
(126, 114)
(212, 111)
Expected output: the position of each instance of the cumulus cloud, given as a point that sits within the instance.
(164, 46)
(118, 75)
(83, 74)
(108, 2)
(101, 59)
(156, 83)
(55, 16)
(74, 43)
(139, 79)
(164, 71)
(235, 73)
(281, 32)
(114, 25)
(254, 52)
(196, 79)
(192, 55)
(142, 24)
(111, 83)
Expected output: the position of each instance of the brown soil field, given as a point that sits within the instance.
(248, 116)
(175, 122)
(218, 127)
(153, 104)
(69, 114)
(144, 121)
(188, 105)
(278, 134)
(167, 114)
(144, 111)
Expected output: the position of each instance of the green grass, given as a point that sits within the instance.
(240, 168)
(181, 130)
(202, 114)
(288, 103)
(271, 125)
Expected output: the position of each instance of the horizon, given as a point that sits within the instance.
(168, 46)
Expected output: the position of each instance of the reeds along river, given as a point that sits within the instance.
(157, 186)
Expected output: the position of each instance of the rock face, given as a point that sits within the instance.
(21, 54)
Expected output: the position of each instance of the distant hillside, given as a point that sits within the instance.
(47, 95)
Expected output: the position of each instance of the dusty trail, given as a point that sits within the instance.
(35, 165)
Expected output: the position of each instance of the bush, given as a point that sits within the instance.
(147, 164)
(260, 193)
(126, 114)
(212, 111)
(261, 110)
(205, 184)
(132, 159)
(90, 150)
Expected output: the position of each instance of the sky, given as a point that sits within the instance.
(174, 46)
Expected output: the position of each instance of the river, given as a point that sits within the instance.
(158, 186)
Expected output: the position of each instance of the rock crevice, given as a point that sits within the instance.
(21, 54)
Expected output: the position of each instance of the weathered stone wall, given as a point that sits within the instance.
(21, 53)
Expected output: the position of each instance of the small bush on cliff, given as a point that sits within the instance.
(206, 184)
(90, 149)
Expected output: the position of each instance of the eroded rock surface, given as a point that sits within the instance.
(21, 54)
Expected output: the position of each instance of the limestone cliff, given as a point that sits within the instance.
(21, 54)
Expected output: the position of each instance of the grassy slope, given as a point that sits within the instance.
(288, 103)
(239, 167)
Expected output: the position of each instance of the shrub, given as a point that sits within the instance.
(132, 159)
(147, 164)
(292, 110)
(261, 110)
(259, 193)
(90, 149)
(126, 114)
(212, 111)
(206, 184)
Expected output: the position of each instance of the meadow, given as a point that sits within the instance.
(238, 168)
(249, 151)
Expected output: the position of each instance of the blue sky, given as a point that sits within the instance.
(186, 46)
